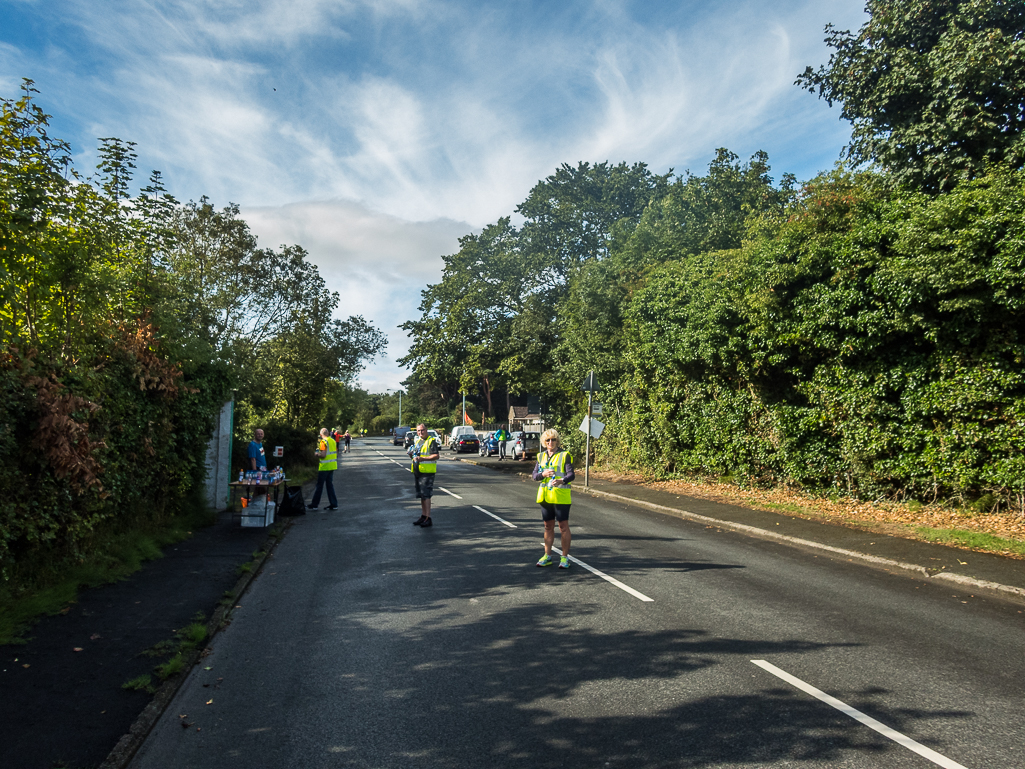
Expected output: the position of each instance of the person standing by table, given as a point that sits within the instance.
(327, 453)
(425, 453)
(554, 469)
(257, 458)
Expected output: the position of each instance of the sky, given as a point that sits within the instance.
(375, 133)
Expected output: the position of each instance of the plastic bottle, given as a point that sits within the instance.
(241, 474)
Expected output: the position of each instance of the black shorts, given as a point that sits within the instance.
(424, 485)
(553, 512)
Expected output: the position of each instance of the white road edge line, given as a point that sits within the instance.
(857, 715)
(500, 520)
(607, 578)
(449, 492)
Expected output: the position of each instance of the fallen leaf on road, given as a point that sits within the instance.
(209, 702)
(94, 636)
(208, 668)
(26, 665)
(186, 724)
(184, 715)
(963, 563)
(77, 649)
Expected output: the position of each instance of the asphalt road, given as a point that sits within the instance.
(368, 642)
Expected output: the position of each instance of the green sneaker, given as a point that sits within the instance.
(546, 560)
(564, 562)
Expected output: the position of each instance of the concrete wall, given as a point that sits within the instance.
(218, 460)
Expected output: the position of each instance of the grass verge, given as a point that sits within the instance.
(971, 539)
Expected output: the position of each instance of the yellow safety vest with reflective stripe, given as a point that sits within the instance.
(330, 460)
(546, 492)
(424, 448)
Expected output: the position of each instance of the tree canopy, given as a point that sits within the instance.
(935, 91)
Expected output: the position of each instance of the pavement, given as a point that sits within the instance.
(71, 671)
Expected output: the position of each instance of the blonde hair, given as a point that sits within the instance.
(550, 433)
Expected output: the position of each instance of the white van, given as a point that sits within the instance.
(458, 431)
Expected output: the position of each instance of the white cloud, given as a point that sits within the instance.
(377, 263)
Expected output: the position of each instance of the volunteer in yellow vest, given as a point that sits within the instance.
(554, 469)
(425, 453)
(327, 453)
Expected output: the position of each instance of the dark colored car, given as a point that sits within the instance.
(488, 445)
(398, 434)
(466, 443)
(408, 440)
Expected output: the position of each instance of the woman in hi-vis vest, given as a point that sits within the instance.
(554, 469)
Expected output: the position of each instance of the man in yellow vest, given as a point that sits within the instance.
(554, 469)
(425, 453)
(327, 453)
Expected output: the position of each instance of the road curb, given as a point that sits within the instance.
(920, 571)
(126, 748)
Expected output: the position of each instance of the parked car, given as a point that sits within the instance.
(457, 432)
(466, 442)
(524, 445)
(488, 445)
(399, 434)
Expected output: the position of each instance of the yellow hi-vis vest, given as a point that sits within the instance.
(424, 448)
(330, 460)
(546, 492)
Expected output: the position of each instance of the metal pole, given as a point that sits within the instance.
(400, 409)
(464, 408)
(587, 450)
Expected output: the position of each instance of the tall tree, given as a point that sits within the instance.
(934, 90)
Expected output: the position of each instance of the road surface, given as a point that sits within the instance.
(368, 642)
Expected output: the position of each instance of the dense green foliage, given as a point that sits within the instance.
(846, 335)
(125, 325)
(872, 342)
(935, 91)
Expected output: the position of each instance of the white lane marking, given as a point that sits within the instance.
(449, 492)
(607, 578)
(500, 520)
(400, 464)
(857, 715)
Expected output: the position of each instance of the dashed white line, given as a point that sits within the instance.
(442, 488)
(400, 464)
(500, 520)
(857, 715)
(607, 578)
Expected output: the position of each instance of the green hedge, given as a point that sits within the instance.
(871, 342)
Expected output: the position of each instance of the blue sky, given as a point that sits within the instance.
(375, 132)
